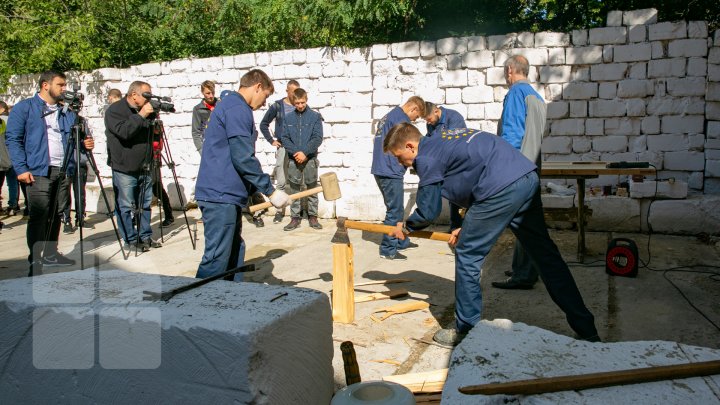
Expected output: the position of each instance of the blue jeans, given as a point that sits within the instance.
(518, 206)
(224, 245)
(12, 185)
(132, 191)
(392, 191)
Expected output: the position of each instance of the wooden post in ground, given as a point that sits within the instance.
(343, 294)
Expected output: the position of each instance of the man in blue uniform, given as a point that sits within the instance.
(230, 172)
(497, 184)
(439, 120)
(389, 175)
(522, 124)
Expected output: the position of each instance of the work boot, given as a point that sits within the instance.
(314, 222)
(294, 223)
(511, 284)
(68, 228)
(168, 221)
(258, 221)
(410, 246)
(449, 338)
(278, 217)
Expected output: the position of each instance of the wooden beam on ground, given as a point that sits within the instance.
(343, 294)
(391, 281)
(383, 295)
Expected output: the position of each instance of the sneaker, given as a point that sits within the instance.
(146, 244)
(294, 223)
(449, 338)
(167, 222)
(258, 221)
(396, 257)
(511, 284)
(68, 228)
(278, 218)
(314, 222)
(57, 260)
(410, 246)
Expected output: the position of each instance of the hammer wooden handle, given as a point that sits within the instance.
(386, 229)
(296, 196)
(595, 380)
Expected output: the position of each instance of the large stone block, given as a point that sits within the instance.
(667, 143)
(610, 213)
(89, 336)
(584, 55)
(574, 126)
(643, 16)
(380, 51)
(557, 144)
(478, 60)
(405, 49)
(453, 78)
(580, 91)
(667, 30)
(452, 45)
(697, 29)
(687, 86)
(608, 71)
(579, 37)
(622, 126)
(635, 88)
(608, 35)
(559, 109)
(476, 43)
(637, 33)
(614, 18)
(666, 68)
(712, 168)
(673, 124)
(632, 53)
(684, 160)
(477, 94)
(661, 190)
(607, 108)
(495, 42)
(611, 143)
(607, 90)
(690, 216)
(687, 48)
(551, 39)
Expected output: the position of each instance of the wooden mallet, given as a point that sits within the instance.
(329, 186)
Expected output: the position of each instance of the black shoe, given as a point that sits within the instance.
(258, 221)
(68, 228)
(146, 244)
(448, 338)
(294, 223)
(167, 222)
(508, 273)
(410, 246)
(397, 257)
(278, 218)
(314, 224)
(57, 260)
(511, 284)
(85, 225)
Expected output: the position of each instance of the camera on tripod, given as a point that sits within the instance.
(158, 103)
(73, 99)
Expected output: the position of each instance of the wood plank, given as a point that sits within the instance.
(390, 281)
(429, 381)
(399, 309)
(343, 294)
(383, 295)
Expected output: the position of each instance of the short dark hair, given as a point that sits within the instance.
(293, 82)
(256, 76)
(299, 93)
(115, 93)
(208, 84)
(3, 105)
(400, 134)
(429, 107)
(48, 76)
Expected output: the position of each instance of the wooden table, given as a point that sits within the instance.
(582, 171)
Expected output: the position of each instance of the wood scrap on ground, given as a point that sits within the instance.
(387, 361)
(391, 281)
(399, 309)
(383, 295)
(426, 382)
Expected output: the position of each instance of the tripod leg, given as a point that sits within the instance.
(91, 160)
(169, 163)
(158, 192)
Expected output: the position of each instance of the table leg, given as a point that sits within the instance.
(581, 220)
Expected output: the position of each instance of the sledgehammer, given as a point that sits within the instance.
(343, 224)
(329, 186)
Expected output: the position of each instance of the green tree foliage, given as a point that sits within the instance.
(88, 34)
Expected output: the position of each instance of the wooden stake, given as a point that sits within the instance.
(343, 295)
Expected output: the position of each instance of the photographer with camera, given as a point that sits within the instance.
(37, 139)
(130, 134)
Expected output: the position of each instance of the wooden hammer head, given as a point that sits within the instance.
(330, 186)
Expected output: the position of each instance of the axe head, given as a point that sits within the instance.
(341, 235)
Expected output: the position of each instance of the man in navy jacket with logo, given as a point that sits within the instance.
(37, 139)
(498, 186)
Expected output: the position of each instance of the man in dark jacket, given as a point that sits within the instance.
(37, 139)
(129, 131)
(302, 135)
(201, 113)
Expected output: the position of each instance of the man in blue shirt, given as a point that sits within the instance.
(389, 175)
(498, 186)
(277, 112)
(514, 124)
(37, 135)
(439, 120)
(302, 135)
(230, 172)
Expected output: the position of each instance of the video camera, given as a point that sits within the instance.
(73, 99)
(160, 103)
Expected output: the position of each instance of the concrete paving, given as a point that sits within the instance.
(680, 304)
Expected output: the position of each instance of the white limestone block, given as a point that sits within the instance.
(667, 68)
(246, 60)
(521, 352)
(556, 144)
(634, 88)
(226, 340)
(558, 109)
(622, 126)
(317, 55)
(637, 33)
(607, 108)
(334, 68)
(579, 37)
(710, 186)
(635, 107)
(682, 124)
(553, 92)
(687, 48)
(536, 57)
(655, 189)
(675, 106)
(476, 112)
(477, 94)
(550, 200)
(337, 114)
(712, 144)
(578, 109)
(583, 55)
(684, 160)
(525, 40)
(644, 16)
(478, 60)
(409, 49)
(108, 74)
(712, 168)
(556, 56)
(354, 54)
(608, 71)
(632, 53)
(581, 145)
(580, 91)
(446, 46)
(385, 67)
(667, 142)
(713, 73)
(614, 18)
(573, 126)
(607, 90)
(712, 111)
(713, 130)
(495, 42)
(380, 51)
(658, 49)
(667, 30)
(607, 53)
(650, 125)
(493, 111)
(607, 35)
(611, 143)
(697, 29)
(689, 216)
(552, 39)
(476, 43)
(453, 78)
(391, 97)
(454, 62)
(638, 70)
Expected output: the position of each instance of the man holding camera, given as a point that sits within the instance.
(37, 138)
(130, 133)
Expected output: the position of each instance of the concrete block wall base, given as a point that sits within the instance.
(88, 337)
(522, 352)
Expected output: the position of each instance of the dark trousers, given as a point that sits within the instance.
(224, 245)
(43, 226)
(159, 193)
(79, 198)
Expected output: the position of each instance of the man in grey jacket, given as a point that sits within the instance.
(201, 113)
